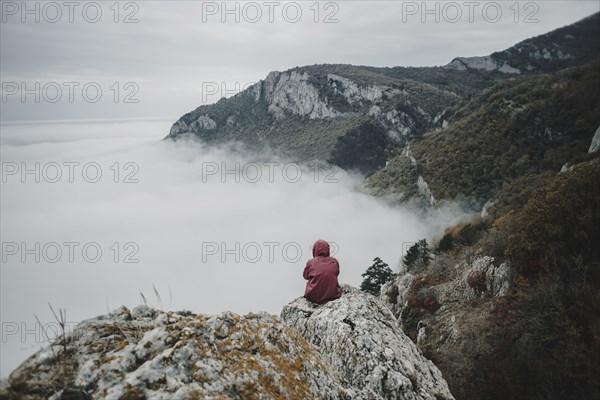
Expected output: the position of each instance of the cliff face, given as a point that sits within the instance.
(343, 109)
(360, 338)
(150, 354)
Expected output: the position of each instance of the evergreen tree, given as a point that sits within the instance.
(375, 276)
(417, 256)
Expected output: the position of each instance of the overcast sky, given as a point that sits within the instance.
(153, 202)
(164, 53)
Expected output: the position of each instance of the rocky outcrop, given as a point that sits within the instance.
(483, 277)
(145, 353)
(486, 276)
(595, 145)
(204, 122)
(356, 351)
(486, 63)
(394, 292)
(425, 191)
(360, 338)
(355, 93)
(292, 92)
(447, 309)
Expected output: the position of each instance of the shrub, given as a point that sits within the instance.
(423, 301)
(560, 220)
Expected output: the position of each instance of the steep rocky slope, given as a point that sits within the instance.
(359, 338)
(151, 354)
(517, 128)
(315, 113)
(510, 305)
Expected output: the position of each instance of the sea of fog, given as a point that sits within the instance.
(95, 213)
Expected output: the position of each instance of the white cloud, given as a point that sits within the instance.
(169, 214)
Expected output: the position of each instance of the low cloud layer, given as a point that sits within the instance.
(205, 228)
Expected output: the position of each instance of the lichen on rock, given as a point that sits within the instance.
(360, 338)
(153, 354)
(349, 349)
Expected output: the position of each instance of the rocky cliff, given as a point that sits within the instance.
(150, 354)
(366, 118)
(360, 338)
(508, 307)
(339, 108)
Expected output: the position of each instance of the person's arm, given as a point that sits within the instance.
(307, 270)
(337, 268)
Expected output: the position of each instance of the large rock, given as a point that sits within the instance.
(292, 91)
(483, 276)
(358, 353)
(149, 354)
(360, 338)
(394, 293)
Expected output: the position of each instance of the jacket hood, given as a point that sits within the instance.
(321, 248)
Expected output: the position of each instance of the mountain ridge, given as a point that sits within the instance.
(536, 55)
(524, 126)
(365, 117)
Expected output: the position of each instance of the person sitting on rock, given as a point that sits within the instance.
(321, 272)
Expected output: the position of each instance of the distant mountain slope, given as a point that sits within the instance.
(360, 117)
(314, 113)
(519, 127)
(564, 47)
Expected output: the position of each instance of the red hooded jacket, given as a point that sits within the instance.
(322, 271)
